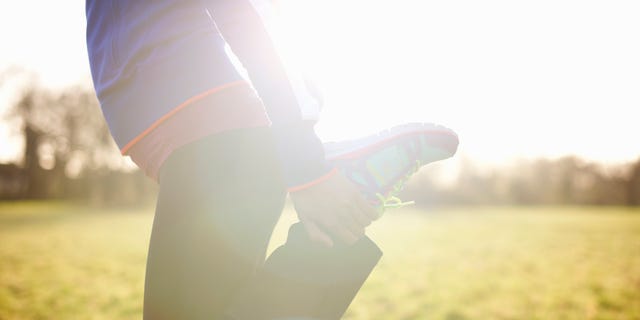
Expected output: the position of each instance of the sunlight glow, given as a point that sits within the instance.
(514, 79)
(544, 78)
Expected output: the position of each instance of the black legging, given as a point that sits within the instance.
(219, 200)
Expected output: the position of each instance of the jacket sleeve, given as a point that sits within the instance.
(300, 150)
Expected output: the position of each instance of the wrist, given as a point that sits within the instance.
(312, 183)
(301, 154)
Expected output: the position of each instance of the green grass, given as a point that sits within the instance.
(63, 262)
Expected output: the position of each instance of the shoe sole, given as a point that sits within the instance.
(441, 142)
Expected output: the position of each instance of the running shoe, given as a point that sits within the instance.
(381, 164)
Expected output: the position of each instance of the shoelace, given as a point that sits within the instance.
(391, 201)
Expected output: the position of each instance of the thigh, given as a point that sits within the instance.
(219, 201)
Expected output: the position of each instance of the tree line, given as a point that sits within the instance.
(568, 180)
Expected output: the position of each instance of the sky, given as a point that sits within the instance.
(514, 79)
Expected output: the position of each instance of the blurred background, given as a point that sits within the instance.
(534, 218)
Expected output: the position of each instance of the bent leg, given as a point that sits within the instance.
(302, 280)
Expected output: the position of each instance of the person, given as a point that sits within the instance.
(225, 152)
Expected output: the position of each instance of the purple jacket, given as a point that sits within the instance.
(148, 57)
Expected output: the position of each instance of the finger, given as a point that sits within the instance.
(361, 216)
(344, 214)
(364, 205)
(366, 208)
(317, 235)
(349, 219)
(343, 233)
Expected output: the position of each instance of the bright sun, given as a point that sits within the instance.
(514, 79)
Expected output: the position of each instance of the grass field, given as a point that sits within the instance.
(63, 262)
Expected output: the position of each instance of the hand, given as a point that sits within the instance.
(333, 209)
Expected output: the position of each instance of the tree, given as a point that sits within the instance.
(63, 131)
(633, 185)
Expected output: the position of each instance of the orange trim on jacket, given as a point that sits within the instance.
(175, 110)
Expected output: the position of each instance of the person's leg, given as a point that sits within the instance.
(219, 201)
(302, 280)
